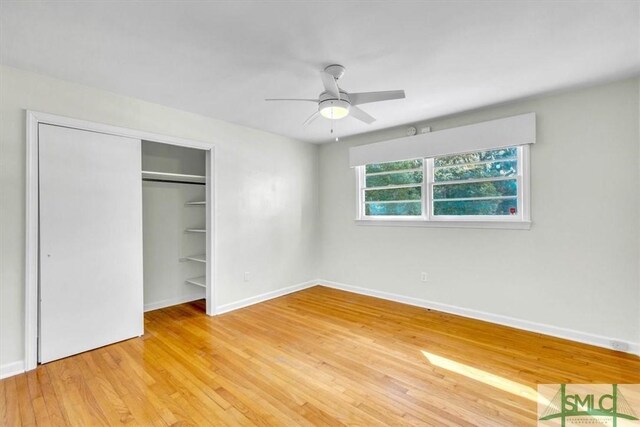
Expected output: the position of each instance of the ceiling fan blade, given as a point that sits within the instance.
(359, 114)
(291, 99)
(366, 97)
(330, 84)
(311, 118)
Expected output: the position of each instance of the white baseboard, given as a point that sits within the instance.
(10, 369)
(173, 301)
(264, 297)
(555, 331)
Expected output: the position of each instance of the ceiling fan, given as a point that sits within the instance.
(335, 103)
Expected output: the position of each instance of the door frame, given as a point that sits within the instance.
(32, 209)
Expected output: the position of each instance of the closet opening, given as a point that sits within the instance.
(153, 220)
(174, 225)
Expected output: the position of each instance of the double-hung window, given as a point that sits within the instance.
(486, 188)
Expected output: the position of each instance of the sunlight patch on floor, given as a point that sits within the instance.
(482, 376)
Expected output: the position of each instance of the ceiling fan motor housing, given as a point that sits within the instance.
(326, 96)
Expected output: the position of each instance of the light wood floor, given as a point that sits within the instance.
(316, 357)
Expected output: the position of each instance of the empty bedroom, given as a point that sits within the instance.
(319, 213)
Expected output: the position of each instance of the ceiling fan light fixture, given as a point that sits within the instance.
(334, 109)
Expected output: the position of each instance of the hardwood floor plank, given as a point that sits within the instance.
(12, 410)
(315, 357)
(3, 404)
(54, 411)
(37, 400)
(25, 405)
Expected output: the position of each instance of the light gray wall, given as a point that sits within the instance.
(266, 191)
(576, 268)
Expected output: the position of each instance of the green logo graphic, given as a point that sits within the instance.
(610, 405)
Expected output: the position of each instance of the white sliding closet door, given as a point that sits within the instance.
(90, 241)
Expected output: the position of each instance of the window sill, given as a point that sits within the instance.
(505, 225)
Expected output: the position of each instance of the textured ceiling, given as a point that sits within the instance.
(221, 59)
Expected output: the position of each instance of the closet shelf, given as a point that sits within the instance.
(173, 177)
(198, 281)
(203, 203)
(196, 258)
(195, 230)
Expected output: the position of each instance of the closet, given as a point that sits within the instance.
(174, 224)
(122, 228)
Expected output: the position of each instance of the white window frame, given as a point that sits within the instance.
(521, 220)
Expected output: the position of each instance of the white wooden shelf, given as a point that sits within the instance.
(197, 258)
(203, 203)
(175, 177)
(195, 230)
(198, 281)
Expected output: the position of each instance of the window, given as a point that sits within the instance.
(394, 189)
(484, 186)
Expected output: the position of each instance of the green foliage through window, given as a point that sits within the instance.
(476, 189)
(475, 207)
(476, 171)
(394, 166)
(480, 156)
(403, 209)
(394, 179)
(408, 174)
(485, 171)
(483, 183)
(405, 193)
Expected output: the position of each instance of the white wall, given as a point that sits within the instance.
(576, 268)
(266, 192)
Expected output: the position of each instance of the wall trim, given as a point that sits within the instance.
(225, 308)
(10, 369)
(173, 301)
(526, 325)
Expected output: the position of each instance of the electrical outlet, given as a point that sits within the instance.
(620, 346)
(423, 277)
(247, 276)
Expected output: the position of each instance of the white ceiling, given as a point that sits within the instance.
(221, 59)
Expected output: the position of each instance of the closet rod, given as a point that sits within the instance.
(172, 181)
